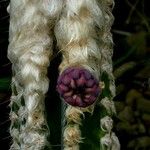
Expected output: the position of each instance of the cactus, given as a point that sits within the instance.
(82, 31)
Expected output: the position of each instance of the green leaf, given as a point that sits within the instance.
(5, 83)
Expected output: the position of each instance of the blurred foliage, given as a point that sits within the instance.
(131, 32)
(5, 83)
(132, 73)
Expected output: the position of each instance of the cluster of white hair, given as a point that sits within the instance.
(82, 30)
(30, 51)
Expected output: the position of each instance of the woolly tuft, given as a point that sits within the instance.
(30, 51)
(84, 38)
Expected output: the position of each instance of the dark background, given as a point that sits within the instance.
(131, 61)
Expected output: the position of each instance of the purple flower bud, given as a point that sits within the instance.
(81, 81)
(68, 94)
(72, 84)
(75, 74)
(63, 88)
(78, 87)
(66, 80)
(87, 75)
(90, 83)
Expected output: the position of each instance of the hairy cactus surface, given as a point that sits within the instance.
(30, 51)
(85, 82)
